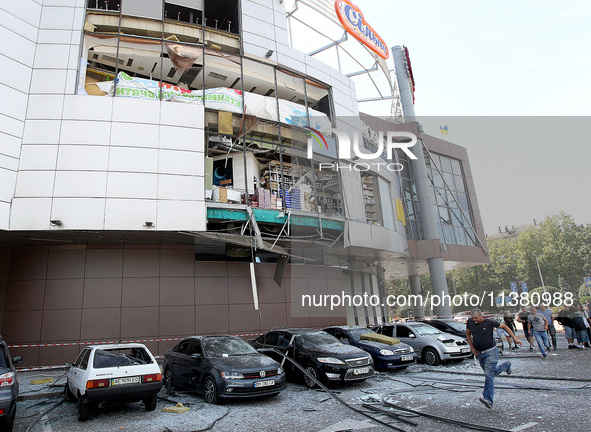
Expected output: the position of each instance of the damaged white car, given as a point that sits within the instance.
(433, 345)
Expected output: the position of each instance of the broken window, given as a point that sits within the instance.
(371, 197)
(110, 5)
(190, 12)
(319, 98)
(222, 15)
(121, 357)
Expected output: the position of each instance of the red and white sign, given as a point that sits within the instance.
(352, 19)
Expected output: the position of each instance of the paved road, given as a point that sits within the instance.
(433, 390)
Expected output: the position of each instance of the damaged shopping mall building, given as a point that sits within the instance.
(171, 168)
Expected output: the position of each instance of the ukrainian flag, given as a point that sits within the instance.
(443, 130)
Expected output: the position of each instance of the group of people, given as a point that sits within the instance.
(536, 323)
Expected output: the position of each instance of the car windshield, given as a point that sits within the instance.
(456, 325)
(316, 338)
(425, 330)
(357, 332)
(224, 347)
(104, 358)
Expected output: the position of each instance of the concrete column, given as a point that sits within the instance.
(428, 211)
(415, 289)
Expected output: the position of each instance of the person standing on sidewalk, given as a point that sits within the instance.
(551, 329)
(479, 334)
(565, 321)
(586, 322)
(538, 325)
(522, 318)
(579, 327)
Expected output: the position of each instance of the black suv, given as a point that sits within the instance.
(8, 387)
(323, 356)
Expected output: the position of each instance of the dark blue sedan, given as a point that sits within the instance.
(386, 356)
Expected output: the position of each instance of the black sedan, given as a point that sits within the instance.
(448, 325)
(8, 387)
(320, 354)
(387, 353)
(221, 367)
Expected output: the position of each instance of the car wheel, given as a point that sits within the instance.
(68, 395)
(168, 379)
(431, 357)
(83, 410)
(312, 371)
(151, 402)
(210, 391)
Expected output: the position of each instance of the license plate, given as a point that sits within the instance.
(406, 358)
(360, 371)
(126, 380)
(267, 383)
(465, 350)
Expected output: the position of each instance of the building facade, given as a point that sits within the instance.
(156, 179)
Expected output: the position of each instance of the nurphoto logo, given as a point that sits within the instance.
(382, 143)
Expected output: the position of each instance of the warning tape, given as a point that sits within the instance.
(92, 343)
(113, 342)
(40, 368)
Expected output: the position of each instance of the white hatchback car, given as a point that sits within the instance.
(113, 373)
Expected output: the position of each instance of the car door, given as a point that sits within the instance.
(386, 330)
(194, 364)
(180, 365)
(406, 335)
(78, 373)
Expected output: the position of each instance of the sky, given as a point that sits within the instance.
(510, 79)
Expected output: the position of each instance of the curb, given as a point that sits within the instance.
(37, 396)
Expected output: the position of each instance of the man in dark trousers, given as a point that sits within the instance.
(480, 336)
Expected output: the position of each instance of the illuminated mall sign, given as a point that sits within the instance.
(352, 19)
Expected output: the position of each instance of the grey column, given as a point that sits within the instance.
(428, 211)
(415, 289)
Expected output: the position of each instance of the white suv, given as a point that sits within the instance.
(114, 372)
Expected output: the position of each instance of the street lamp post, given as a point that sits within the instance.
(540, 270)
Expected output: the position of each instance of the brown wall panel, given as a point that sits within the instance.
(216, 269)
(211, 291)
(212, 319)
(63, 294)
(273, 315)
(139, 323)
(61, 325)
(269, 291)
(26, 264)
(177, 291)
(71, 294)
(102, 293)
(22, 327)
(141, 263)
(57, 355)
(240, 290)
(104, 263)
(140, 292)
(25, 295)
(316, 272)
(66, 263)
(101, 324)
(243, 319)
(177, 321)
(177, 263)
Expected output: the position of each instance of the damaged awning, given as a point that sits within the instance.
(239, 240)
